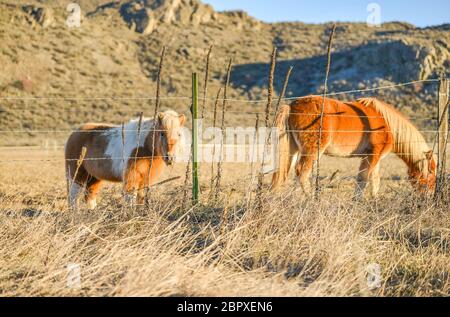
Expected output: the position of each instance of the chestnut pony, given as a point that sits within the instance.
(367, 128)
(108, 159)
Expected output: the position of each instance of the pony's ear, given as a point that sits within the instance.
(429, 155)
(160, 117)
(182, 118)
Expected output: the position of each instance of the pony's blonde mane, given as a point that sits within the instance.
(169, 115)
(409, 143)
(168, 118)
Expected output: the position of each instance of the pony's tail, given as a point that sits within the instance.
(286, 147)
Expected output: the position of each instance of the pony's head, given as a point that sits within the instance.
(169, 133)
(423, 173)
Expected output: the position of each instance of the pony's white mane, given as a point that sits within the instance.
(409, 144)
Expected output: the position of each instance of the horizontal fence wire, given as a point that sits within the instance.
(112, 98)
(215, 128)
(79, 131)
(85, 159)
(141, 98)
(206, 161)
(263, 100)
(245, 113)
(51, 146)
(326, 115)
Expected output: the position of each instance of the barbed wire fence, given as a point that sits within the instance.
(441, 133)
(441, 122)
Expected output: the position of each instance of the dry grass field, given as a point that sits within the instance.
(293, 247)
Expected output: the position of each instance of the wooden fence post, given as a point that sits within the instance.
(442, 139)
(195, 183)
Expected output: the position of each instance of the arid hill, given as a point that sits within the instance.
(115, 53)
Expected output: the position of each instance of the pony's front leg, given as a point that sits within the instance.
(368, 170)
(362, 178)
(130, 198)
(139, 178)
(149, 176)
(375, 180)
(141, 196)
(141, 190)
(130, 187)
(137, 181)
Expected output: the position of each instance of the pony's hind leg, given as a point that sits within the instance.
(308, 155)
(75, 184)
(303, 171)
(92, 188)
(74, 192)
(305, 165)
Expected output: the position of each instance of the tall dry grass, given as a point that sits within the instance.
(294, 246)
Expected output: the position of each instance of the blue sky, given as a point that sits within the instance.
(418, 12)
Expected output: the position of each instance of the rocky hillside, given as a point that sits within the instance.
(115, 53)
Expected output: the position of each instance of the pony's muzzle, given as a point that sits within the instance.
(170, 160)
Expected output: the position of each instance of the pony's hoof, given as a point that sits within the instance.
(92, 204)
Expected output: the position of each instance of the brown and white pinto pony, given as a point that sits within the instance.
(105, 150)
(367, 128)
